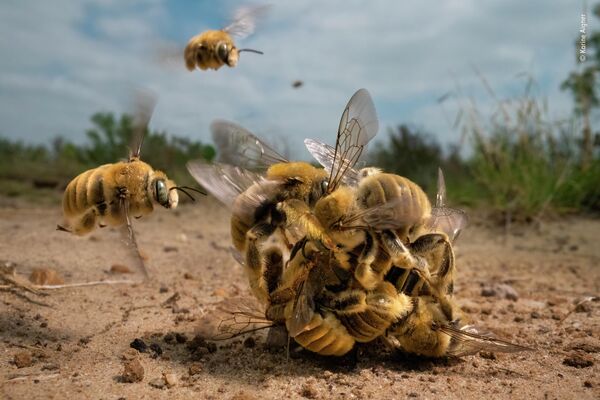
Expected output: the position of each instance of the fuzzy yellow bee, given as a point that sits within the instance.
(110, 194)
(214, 48)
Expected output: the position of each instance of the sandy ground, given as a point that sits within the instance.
(79, 340)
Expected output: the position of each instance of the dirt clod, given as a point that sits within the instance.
(139, 345)
(578, 360)
(195, 369)
(156, 350)
(133, 371)
(309, 391)
(180, 338)
(119, 269)
(23, 359)
(45, 276)
(488, 355)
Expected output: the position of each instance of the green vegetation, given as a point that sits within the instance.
(26, 168)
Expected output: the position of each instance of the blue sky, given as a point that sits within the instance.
(63, 60)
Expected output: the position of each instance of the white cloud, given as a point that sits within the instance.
(406, 53)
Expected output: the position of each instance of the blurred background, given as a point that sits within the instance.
(503, 95)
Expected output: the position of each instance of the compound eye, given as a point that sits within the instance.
(223, 51)
(324, 186)
(162, 195)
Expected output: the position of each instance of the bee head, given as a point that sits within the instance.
(227, 53)
(162, 193)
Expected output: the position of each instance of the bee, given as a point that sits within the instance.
(431, 330)
(215, 48)
(110, 194)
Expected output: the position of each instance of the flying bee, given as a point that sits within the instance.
(432, 330)
(215, 48)
(111, 193)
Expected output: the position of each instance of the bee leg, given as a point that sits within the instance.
(363, 273)
(125, 207)
(286, 241)
(62, 228)
(277, 337)
(255, 263)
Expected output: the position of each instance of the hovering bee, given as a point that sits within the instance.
(111, 193)
(215, 48)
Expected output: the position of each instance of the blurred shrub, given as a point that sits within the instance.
(525, 163)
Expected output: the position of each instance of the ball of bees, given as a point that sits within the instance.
(342, 256)
(214, 48)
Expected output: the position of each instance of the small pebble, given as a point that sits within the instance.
(133, 371)
(119, 269)
(23, 359)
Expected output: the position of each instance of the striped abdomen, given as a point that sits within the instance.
(412, 205)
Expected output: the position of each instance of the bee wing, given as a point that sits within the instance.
(358, 126)
(144, 108)
(244, 20)
(224, 181)
(234, 317)
(238, 146)
(303, 310)
(325, 155)
(451, 221)
(469, 340)
(393, 214)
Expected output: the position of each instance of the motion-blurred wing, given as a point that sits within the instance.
(238, 146)
(244, 20)
(145, 102)
(394, 214)
(468, 340)
(223, 181)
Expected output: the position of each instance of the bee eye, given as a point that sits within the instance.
(324, 186)
(162, 195)
(223, 51)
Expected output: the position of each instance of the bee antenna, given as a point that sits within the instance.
(181, 189)
(251, 51)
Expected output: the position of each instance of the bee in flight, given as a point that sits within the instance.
(111, 193)
(215, 48)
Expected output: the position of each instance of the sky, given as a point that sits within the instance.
(64, 60)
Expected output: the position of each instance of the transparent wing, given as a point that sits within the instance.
(325, 155)
(244, 20)
(449, 220)
(145, 102)
(234, 317)
(238, 146)
(223, 181)
(357, 127)
(394, 214)
(303, 310)
(468, 340)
